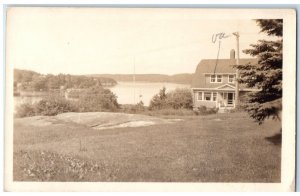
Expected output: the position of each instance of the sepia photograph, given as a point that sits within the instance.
(155, 96)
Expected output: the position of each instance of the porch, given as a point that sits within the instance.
(224, 100)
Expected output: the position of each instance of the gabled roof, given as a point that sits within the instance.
(226, 86)
(212, 66)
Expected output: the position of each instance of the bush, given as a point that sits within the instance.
(159, 100)
(54, 106)
(97, 99)
(176, 99)
(50, 106)
(133, 109)
(74, 93)
(239, 108)
(180, 98)
(202, 110)
(25, 110)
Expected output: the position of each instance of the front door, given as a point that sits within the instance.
(226, 99)
(230, 99)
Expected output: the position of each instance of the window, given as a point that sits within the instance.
(214, 96)
(200, 96)
(231, 78)
(207, 96)
(219, 78)
(215, 78)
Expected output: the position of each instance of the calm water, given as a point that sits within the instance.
(127, 92)
(130, 93)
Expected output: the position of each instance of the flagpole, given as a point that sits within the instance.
(134, 80)
(237, 35)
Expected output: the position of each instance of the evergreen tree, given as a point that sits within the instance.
(266, 75)
(159, 100)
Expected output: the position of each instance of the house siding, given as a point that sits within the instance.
(225, 80)
(198, 103)
(225, 91)
(221, 97)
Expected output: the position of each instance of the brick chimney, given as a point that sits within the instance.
(232, 54)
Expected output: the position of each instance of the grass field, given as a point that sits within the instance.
(213, 148)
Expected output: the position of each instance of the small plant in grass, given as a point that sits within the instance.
(81, 147)
(50, 166)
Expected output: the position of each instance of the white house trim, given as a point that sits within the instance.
(225, 85)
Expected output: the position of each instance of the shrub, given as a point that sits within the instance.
(180, 98)
(74, 93)
(137, 108)
(202, 110)
(238, 108)
(97, 99)
(159, 100)
(25, 110)
(50, 106)
(54, 106)
(176, 99)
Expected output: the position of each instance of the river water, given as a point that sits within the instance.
(126, 92)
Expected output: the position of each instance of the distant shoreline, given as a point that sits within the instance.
(184, 78)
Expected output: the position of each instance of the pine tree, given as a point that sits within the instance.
(266, 75)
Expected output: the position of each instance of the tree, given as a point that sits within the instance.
(97, 99)
(39, 83)
(266, 75)
(52, 82)
(159, 100)
(180, 98)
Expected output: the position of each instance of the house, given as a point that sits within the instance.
(214, 84)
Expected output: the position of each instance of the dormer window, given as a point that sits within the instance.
(231, 78)
(215, 78)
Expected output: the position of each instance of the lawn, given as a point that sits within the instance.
(226, 147)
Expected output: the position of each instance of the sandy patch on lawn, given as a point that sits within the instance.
(140, 123)
(98, 120)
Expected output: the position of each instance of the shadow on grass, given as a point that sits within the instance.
(275, 139)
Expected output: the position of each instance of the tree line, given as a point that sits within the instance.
(33, 81)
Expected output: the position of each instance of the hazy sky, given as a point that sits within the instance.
(89, 41)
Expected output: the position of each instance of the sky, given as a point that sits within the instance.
(121, 41)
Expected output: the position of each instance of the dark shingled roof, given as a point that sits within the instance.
(207, 66)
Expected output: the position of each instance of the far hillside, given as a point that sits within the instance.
(26, 80)
(184, 78)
